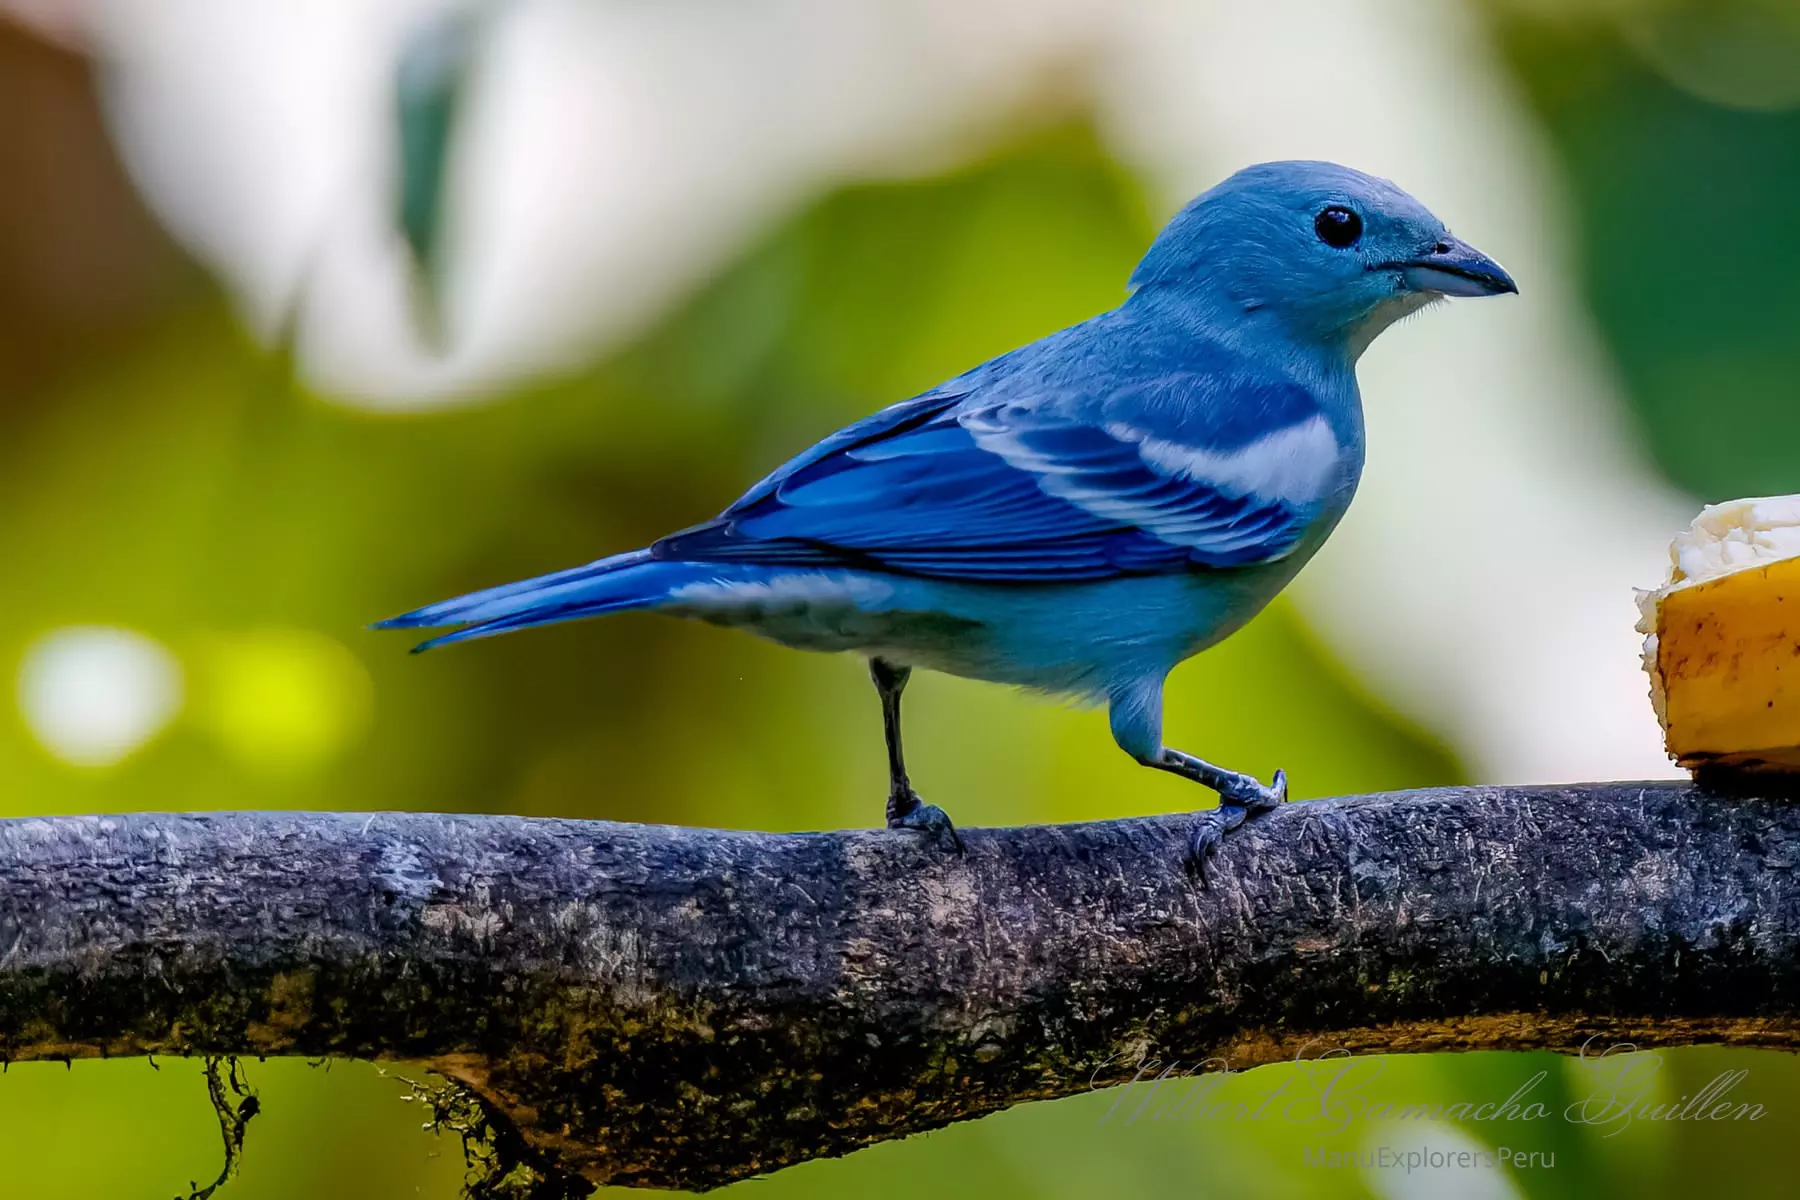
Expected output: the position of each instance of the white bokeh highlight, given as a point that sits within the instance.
(1441, 1144)
(93, 694)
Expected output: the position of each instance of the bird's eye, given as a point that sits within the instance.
(1338, 226)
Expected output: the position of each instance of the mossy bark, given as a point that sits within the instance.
(675, 1007)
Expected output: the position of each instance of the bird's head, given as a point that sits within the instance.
(1333, 255)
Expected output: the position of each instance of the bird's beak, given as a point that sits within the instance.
(1455, 268)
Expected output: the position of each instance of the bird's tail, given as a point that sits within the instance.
(616, 584)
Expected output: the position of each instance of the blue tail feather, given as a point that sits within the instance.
(616, 584)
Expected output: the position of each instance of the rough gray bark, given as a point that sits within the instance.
(677, 1007)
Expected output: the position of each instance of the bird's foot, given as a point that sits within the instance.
(1246, 791)
(907, 811)
(1239, 800)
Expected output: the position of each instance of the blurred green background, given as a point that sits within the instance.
(163, 473)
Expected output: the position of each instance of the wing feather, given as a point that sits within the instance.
(1027, 492)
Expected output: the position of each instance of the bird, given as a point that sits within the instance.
(1079, 515)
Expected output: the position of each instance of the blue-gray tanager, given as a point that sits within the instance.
(1083, 513)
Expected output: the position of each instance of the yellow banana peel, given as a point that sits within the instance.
(1722, 640)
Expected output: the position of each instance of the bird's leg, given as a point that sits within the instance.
(1136, 716)
(904, 808)
(1240, 798)
(890, 681)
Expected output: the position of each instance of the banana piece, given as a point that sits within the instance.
(1722, 640)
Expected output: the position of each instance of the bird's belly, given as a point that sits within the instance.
(1071, 638)
(1082, 638)
(1074, 639)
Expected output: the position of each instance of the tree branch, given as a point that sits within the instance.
(676, 1007)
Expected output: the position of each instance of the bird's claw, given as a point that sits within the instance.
(1243, 799)
(1248, 792)
(928, 819)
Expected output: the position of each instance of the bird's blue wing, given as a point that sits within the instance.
(1036, 491)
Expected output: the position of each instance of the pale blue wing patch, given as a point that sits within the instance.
(1218, 503)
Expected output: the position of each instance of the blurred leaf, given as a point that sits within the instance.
(429, 84)
(1688, 247)
(1744, 53)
